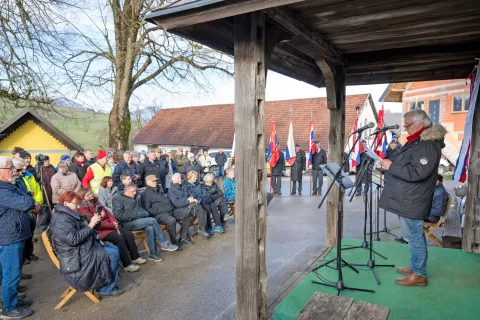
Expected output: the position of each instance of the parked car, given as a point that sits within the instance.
(213, 166)
(444, 166)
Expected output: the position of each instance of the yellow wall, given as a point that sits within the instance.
(35, 140)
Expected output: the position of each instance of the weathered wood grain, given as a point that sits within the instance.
(324, 306)
(367, 311)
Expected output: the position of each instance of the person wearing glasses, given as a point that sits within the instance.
(15, 222)
(410, 186)
(73, 235)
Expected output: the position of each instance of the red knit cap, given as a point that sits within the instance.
(101, 154)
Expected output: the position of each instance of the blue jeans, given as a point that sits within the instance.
(412, 230)
(11, 259)
(220, 171)
(114, 256)
(152, 228)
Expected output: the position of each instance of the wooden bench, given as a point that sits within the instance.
(232, 210)
(430, 227)
(140, 237)
(70, 291)
(324, 306)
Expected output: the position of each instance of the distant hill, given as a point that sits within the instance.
(64, 102)
(83, 125)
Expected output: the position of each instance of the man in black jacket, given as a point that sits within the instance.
(152, 166)
(182, 202)
(79, 167)
(410, 187)
(191, 165)
(159, 206)
(297, 170)
(132, 216)
(126, 166)
(319, 157)
(277, 173)
(220, 159)
(89, 158)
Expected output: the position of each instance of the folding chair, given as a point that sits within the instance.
(70, 291)
(140, 237)
(430, 227)
(231, 211)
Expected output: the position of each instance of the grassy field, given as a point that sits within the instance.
(88, 129)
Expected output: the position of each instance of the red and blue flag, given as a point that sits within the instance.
(311, 145)
(273, 155)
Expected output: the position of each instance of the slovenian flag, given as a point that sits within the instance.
(290, 154)
(273, 155)
(358, 147)
(461, 167)
(311, 145)
(233, 151)
(381, 138)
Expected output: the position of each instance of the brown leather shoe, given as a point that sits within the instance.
(412, 280)
(405, 271)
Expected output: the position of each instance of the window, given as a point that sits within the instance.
(461, 103)
(412, 105)
(417, 105)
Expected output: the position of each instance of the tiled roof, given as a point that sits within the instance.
(213, 126)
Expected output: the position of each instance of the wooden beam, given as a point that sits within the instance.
(252, 50)
(214, 12)
(334, 76)
(319, 43)
(471, 230)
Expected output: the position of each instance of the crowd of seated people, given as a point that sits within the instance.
(94, 211)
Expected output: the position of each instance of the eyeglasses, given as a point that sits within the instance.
(10, 168)
(408, 125)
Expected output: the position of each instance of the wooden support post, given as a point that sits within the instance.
(334, 76)
(250, 70)
(471, 230)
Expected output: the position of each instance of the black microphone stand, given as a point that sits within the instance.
(340, 262)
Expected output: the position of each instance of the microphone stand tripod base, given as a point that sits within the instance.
(371, 265)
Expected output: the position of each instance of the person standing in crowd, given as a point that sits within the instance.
(221, 160)
(440, 199)
(79, 167)
(106, 192)
(89, 159)
(63, 181)
(297, 170)
(15, 222)
(192, 165)
(393, 148)
(28, 159)
(111, 160)
(366, 174)
(45, 172)
(319, 157)
(160, 208)
(109, 229)
(277, 173)
(205, 161)
(230, 186)
(172, 168)
(136, 157)
(180, 160)
(410, 187)
(96, 172)
(97, 262)
(67, 159)
(199, 154)
(162, 166)
(151, 166)
(126, 166)
(16, 152)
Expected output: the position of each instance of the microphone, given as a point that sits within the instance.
(394, 127)
(365, 127)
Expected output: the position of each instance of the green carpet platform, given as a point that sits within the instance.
(453, 290)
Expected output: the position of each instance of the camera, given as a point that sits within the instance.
(41, 159)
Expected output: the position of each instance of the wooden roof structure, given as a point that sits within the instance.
(377, 41)
(29, 114)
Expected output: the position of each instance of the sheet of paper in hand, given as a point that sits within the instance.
(372, 154)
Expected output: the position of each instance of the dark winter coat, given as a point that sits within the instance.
(154, 202)
(69, 230)
(90, 162)
(318, 159)
(412, 176)
(214, 190)
(80, 169)
(150, 168)
(221, 159)
(298, 166)
(163, 166)
(127, 209)
(177, 196)
(123, 168)
(279, 167)
(197, 191)
(179, 162)
(192, 166)
(46, 176)
(440, 199)
(14, 215)
(392, 153)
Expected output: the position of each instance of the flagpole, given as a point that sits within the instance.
(311, 171)
(381, 168)
(357, 108)
(291, 173)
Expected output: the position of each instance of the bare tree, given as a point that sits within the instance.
(129, 53)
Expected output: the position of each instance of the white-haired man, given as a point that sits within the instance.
(410, 186)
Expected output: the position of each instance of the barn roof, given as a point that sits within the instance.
(377, 41)
(213, 125)
(29, 114)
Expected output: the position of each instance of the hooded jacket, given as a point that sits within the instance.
(412, 176)
(70, 230)
(14, 216)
